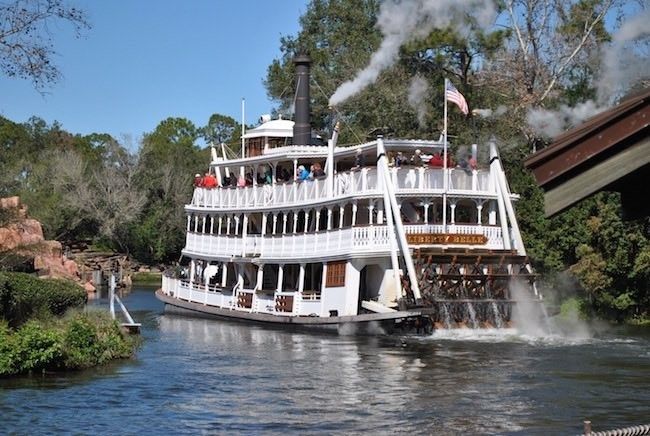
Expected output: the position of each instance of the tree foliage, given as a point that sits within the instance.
(538, 53)
(26, 48)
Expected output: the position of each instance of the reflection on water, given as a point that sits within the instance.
(198, 375)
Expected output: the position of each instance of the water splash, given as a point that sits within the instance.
(472, 315)
(498, 321)
(445, 312)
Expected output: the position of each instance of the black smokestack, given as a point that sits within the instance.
(302, 127)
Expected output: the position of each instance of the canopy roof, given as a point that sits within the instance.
(274, 128)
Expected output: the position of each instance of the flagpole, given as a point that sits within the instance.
(444, 167)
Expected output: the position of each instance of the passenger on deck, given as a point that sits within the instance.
(209, 181)
(283, 175)
(464, 164)
(303, 174)
(399, 159)
(417, 159)
(359, 160)
(317, 171)
(472, 163)
(198, 181)
(436, 161)
(268, 176)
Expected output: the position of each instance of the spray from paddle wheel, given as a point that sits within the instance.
(469, 289)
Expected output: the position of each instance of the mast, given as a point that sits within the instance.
(444, 167)
(243, 125)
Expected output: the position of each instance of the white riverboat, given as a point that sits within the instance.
(375, 239)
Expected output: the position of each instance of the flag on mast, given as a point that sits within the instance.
(454, 96)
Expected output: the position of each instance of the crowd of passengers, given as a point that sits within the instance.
(209, 181)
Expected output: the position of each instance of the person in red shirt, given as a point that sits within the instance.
(209, 181)
(436, 161)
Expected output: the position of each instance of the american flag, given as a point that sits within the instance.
(454, 96)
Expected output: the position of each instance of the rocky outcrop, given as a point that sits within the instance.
(22, 237)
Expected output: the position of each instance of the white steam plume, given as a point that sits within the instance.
(620, 67)
(417, 93)
(407, 20)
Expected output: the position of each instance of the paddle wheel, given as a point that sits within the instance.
(469, 288)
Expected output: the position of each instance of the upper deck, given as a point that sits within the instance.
(361, 183)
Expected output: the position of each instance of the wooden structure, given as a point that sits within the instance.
(609, 152)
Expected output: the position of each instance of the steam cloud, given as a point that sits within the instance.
(620, 67)
(408, 20)
(417, 93)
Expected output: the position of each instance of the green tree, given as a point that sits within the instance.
(168, 159)
(220, 128)
(26, 47)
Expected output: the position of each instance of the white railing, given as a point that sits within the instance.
(360, 240)
(364, 181)
(303, 304)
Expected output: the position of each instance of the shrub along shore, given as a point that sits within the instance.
(44, 328)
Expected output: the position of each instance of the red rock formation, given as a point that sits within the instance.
(24, 236)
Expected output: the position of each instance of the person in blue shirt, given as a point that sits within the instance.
(303, 174)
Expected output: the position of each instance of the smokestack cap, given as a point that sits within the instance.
(302, 58)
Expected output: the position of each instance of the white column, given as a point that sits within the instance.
(452, 205)
(220, 223)
(380, 212)
(237, 225)
(203, 225)
(189, 222)
(196, 223)
(275, 221)
(244, 234)
(329, 218)
(240, 275)
(264, 220)
(274, 169)
(341, 214)
(212, 225)
(192, 272)
(426, 212)
(307, 212)
(492, 213)
(371, 208)
(295, 169)
(317, 217)
(224, 274)
(228, 225)
(284, 223)
(354, 213)
(295, 221)
(301, 278)
(260, 276)
(280, 277)
(479, 210)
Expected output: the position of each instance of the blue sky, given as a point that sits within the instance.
(144, 61)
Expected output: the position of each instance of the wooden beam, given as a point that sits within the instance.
(596, 178)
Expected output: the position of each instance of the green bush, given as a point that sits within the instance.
(79, 340)
(23, 295)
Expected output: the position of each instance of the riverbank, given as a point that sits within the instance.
(44, 328)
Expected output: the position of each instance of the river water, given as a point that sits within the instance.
(205, 376)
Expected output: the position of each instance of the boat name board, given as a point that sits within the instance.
(446, 238)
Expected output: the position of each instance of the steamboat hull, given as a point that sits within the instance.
(366, 323)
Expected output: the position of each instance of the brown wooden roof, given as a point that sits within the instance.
(582, 146)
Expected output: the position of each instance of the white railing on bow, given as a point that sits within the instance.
(363, 181)
(326, 243)
(306, 303)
